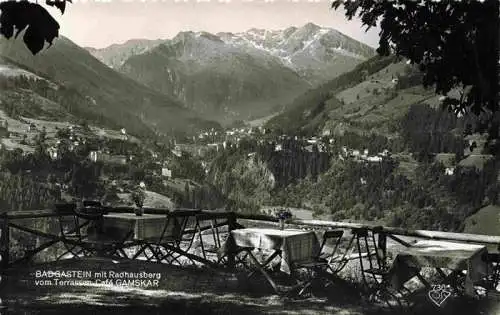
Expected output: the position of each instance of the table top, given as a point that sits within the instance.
(145, 227)
(294, 245)
(134, 217)
(271, 232)
(440, 254)
(442, 248)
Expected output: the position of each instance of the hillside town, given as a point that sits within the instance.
(119, 149)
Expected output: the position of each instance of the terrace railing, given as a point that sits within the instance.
(202, 228)
(211, 224)
(203, 235)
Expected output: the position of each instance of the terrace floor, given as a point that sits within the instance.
(187, 291)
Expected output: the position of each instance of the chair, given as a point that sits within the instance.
(372, 251)
(69, 228)
(494, 260)
(375, 252)
(216, 220)
(323, 261)
(167, 247)
(86, 234)
(489, 285)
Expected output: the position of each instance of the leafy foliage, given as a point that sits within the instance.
(428, 131)
(39, 25)
(245, 182)
(292, 162)
(73, 103)
(188, 166)
(138, 196)
(22, 192)
(454, 43)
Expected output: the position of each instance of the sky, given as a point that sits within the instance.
(100, 23)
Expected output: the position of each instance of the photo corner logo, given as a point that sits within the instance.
(439, 294)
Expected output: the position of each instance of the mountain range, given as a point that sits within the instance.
(178, 85)
(229, 76)
(90, 89)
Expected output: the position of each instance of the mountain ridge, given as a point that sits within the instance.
(242, 75)
(114, 96)
(115, 55)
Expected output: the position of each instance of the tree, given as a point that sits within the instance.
(138, 196)
(40, 26)
(454, 43)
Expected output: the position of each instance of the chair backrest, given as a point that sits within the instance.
(361, 232)
(175, 224)
(214, 224)
(68, 222)
(329, 235)
(90, 213)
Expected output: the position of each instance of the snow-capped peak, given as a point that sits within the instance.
(309, 40)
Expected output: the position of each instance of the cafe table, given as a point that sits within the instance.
(291, 244)
(147, 231)
(439, 255)
(143, 227)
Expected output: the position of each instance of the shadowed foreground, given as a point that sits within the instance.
(184, 291)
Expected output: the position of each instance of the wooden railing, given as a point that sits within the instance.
(206, 221)
(425, 234)
(231, 220)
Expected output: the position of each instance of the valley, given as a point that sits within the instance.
(304, 118)
(239, 76)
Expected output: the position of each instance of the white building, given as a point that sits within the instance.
(166, 172)
(449, 171)
(374, 159)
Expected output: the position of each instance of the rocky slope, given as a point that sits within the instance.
(94, 90)
(116, 54)
(315, 52)
(238, 76)
(218, 80)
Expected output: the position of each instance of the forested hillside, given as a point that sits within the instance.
(105, 92)
(384, 150)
